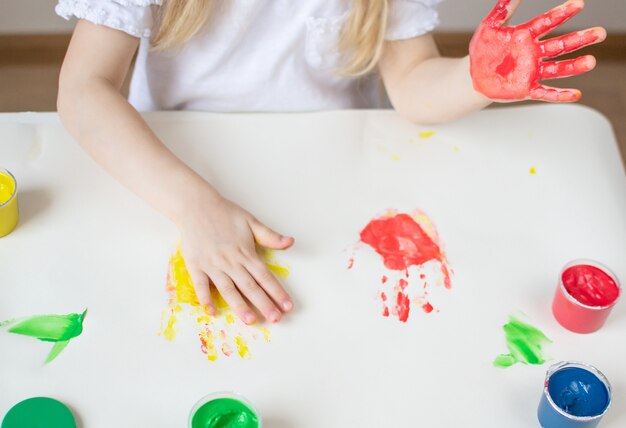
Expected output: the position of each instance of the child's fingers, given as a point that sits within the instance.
(548, 21)
(231, 295)
(567, 68)
(248, 286)
(555, 95)
(270, 284)
(269, 238)
(502, 12)
(203, 289)
(572, 42)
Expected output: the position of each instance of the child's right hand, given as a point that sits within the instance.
(218, 243)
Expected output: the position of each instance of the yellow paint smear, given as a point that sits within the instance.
(426, 134)
(532, 170)
(242, 348)
(269, 258)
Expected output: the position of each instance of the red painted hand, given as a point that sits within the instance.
(507, 63)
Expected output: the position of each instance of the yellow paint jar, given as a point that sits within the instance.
(8, 202)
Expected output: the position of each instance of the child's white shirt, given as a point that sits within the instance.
(252, 55)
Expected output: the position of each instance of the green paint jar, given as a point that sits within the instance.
(224, 410)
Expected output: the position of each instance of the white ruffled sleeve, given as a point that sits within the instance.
(411, 18)
(134, 17)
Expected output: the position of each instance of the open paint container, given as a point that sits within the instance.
(586, 293)
(8, 202)
(224, 410)
(575, 395)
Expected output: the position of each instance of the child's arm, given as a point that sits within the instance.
(424, 87)
(506, 63)
(218, 237)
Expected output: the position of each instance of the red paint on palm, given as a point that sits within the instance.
(508, 62)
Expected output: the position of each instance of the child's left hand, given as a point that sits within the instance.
(507, 62)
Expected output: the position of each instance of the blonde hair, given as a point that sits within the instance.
(361, 40)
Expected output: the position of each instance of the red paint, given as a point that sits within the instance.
(585, 295)
(403, 306)
(383, 297)
(427, 307)
(400, 241)
(351, 263)
(590, 285)
(507, 62)
(403, 243)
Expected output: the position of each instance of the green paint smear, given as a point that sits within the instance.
(59, 329)
(224, 413)
(525, 344)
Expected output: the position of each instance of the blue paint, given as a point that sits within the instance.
(578, 392)
(575, 396)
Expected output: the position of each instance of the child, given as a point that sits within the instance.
(277, 55)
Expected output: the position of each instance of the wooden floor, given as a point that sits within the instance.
(32, 86)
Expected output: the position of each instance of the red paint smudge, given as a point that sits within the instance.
(384, 279)
(427, 307)
(422, 275)
(403, 306)
(401, 242)
(402, 284)
(383, 297)
(351, 263)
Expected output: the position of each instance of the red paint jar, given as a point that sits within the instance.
(586, 293)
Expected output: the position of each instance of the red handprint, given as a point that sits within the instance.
(507, 63)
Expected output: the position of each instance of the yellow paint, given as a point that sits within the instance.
(532, 170)
(456, 149)
(426, 134)
(169, 333)
(8, 203)
(268, 257)
(266, 333)
(395, 158)
(230, 319)
(242, 348)
(207, 338)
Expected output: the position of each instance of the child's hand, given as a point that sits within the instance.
(218, 243)
(506, 63)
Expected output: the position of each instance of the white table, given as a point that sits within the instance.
(84, 241)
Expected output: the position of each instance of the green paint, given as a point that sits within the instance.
(224, 413)
(525, 344)
(59, 329)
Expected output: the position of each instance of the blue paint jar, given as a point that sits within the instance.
(575, 395)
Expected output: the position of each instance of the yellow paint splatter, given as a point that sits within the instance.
(395, 158)
(269, 258)
(456, 149)
(169, 333)
(532, 170)
(230, 319)
(242, 348)
(426, 134)
(207, 338)
(266, 333)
